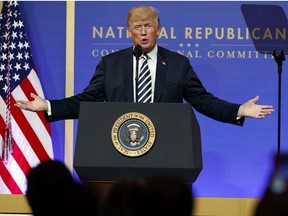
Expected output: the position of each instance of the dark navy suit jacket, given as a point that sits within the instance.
(175, 82)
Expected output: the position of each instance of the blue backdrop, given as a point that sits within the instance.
(214, 36)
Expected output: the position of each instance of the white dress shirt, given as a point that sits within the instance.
(152, 62)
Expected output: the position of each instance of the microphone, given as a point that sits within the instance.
(137, 52)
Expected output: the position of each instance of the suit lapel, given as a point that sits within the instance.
(161, 70)
(128, 68)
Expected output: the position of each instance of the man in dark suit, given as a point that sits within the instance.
(173, 79)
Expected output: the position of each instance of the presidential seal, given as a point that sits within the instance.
(133, 134)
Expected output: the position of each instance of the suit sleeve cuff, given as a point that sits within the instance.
(49, 108)
(240, 121)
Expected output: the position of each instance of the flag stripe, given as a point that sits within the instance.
(23, 150)
(21, 159)
(3, 186)
(2, 127)
(9, 180)
(20, 167)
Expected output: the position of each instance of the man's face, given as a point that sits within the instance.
(145, 33)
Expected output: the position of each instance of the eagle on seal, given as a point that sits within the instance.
(133, 132)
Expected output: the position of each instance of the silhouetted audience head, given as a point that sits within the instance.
(125, 198)
(51, 190)
(274, 201)
(169, 196)
(154, 196)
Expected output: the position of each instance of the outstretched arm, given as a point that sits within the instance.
(36, 105)
(253, 110)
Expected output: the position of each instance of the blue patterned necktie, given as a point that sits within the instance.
(144, 82)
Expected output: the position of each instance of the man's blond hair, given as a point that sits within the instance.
(142, 13)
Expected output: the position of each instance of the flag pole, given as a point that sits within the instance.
(69, 89)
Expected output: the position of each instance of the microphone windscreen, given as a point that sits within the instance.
(137, 52)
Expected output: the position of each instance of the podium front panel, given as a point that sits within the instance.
(176, 149)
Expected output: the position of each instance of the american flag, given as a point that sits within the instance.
(25, 137)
